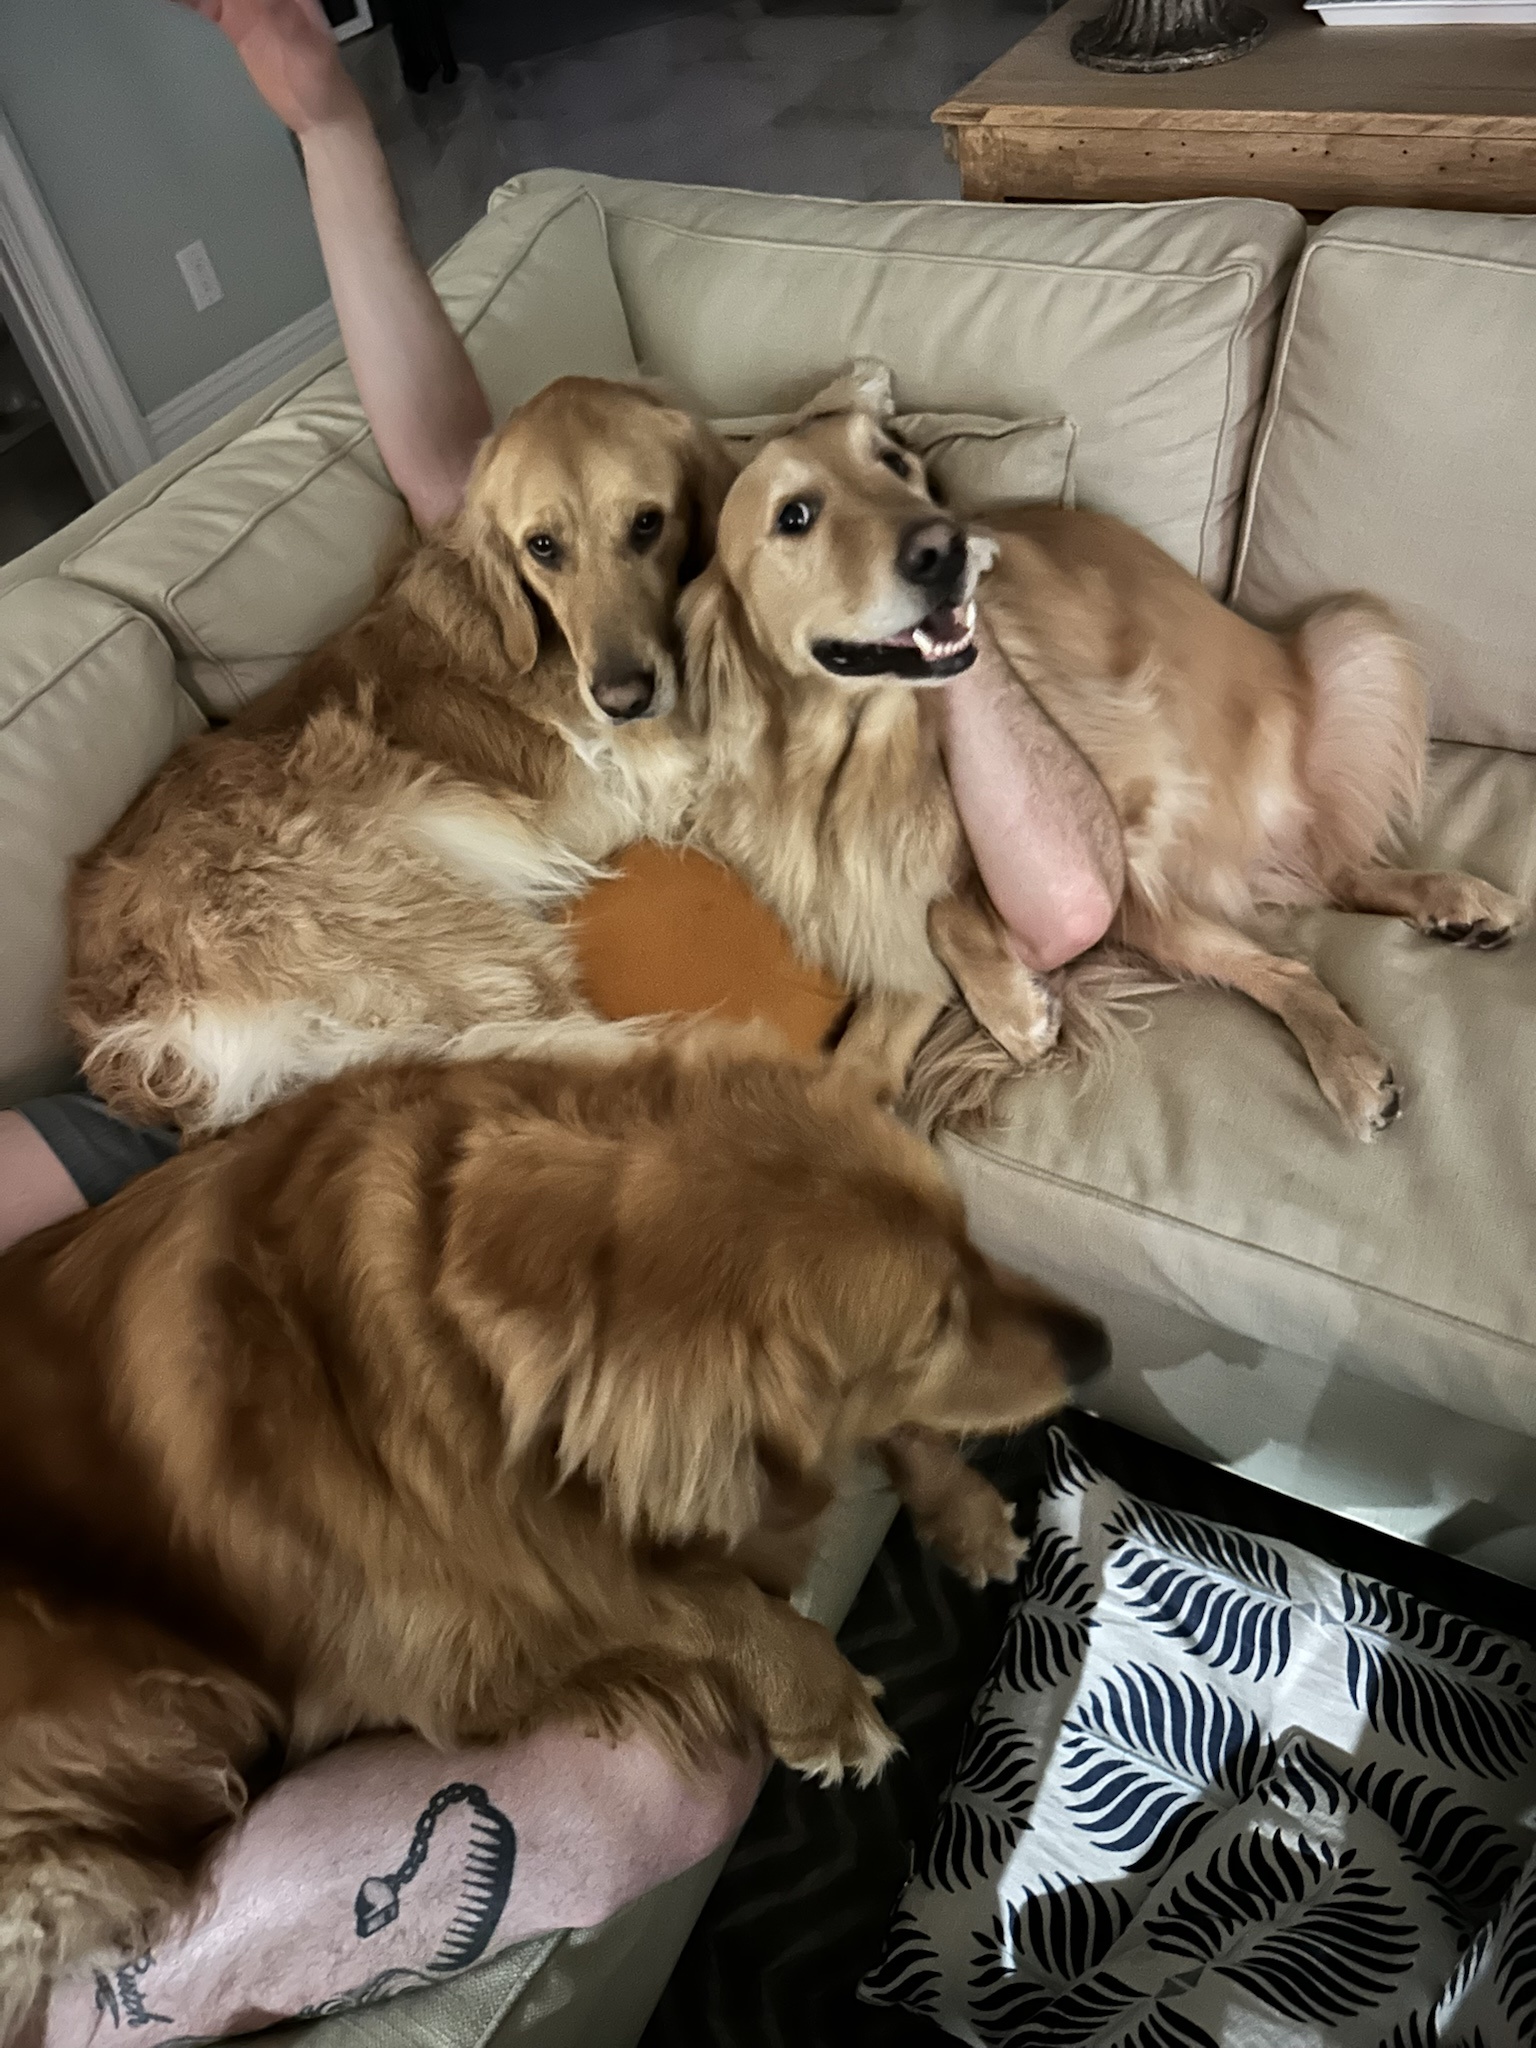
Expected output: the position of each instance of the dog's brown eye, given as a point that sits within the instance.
(896, 463)
(798, 516)
(644, 527)
(544, 548)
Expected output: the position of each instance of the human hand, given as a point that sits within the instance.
(291, 56)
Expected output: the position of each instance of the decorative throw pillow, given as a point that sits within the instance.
(1214, 1791)
(972, 460)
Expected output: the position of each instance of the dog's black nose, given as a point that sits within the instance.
(624, 691)
(1082, 1344)
(932, 555)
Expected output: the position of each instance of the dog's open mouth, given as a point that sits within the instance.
(939, 646)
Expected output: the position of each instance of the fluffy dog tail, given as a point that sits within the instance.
(1363, 757)
(960, 1071)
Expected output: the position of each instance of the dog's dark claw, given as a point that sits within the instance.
(1391, 1101)
(1491, 938)
(1454, 932)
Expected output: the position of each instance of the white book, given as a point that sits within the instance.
(1419, 13)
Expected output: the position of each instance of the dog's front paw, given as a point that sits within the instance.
(1471, 913)
(853, 1739)
(1362, 1087)
(975, 1536)
(1029, 1023)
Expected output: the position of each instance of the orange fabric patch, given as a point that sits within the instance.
(674, 930)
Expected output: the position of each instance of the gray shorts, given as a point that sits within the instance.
(97, 1150)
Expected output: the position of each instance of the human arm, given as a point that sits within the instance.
(1042, 831)
(314, 1902)
(35, 1186)
(417, 384)
(63, 1153)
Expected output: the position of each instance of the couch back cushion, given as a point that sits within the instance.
(1151, 327)
(89, 709)
(258, 553)
(1398, 451)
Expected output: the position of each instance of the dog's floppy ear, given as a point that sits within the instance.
(491, 558)
(865, 386)
(665, 1426)
(711, 469)
(486, 629)
(718, 643)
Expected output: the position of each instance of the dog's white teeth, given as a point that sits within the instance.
(970, 620)
(926, 645)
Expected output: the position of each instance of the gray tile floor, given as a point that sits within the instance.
(729, 94)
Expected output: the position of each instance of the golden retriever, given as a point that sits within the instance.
(454, 1398)
(1246, 767)
(356, 867)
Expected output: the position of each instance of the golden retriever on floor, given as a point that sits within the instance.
(356, 867)
(1246, 767)
(453, 1398)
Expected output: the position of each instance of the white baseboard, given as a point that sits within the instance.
(201, 404)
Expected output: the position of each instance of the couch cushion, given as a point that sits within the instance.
(89, 708)
(1398, 451)
(1204, 1169)
(1150, 326)
(256, 554)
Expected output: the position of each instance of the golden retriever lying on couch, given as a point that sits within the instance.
(355, 868)
(1246, 768)
(454, 1398)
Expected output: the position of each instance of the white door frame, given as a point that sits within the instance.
(56, 328)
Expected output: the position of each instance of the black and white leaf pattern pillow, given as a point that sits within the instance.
(1217, 1791)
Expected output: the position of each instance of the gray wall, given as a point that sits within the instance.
(143, 134)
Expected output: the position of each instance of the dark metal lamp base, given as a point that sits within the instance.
(1169, 35)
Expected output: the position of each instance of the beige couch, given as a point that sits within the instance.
(1287, 417)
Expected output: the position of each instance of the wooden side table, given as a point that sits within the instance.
(1322, 117)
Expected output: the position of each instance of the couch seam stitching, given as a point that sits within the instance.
(1425, 255)
(1191, 281)
(129, 618)
(1140, 1209)
(1277, 377)
(1251, 273)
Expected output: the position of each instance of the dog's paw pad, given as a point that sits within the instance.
(1382, 1110)
(1363, 1089)
(1480, 934)
(1390, 1107)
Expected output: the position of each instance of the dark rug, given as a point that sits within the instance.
(494, 35)
(800, 1910)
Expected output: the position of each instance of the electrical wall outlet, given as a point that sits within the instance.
(201, 278)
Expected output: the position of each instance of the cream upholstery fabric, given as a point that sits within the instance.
(258, 553)
(1150, 326)
(89, 708)
(1398, 452)
(1205, 1171)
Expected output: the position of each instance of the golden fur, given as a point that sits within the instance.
(357, 865)
(1245, 767)
(454, 1398)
